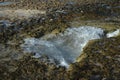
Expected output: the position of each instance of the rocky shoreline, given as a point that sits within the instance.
(99, 60)
(62, 16)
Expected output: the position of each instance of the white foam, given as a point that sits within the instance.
(63, 63)
(113, 34)
(65, 47)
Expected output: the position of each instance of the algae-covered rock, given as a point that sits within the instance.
(30, 68)
(100, 61)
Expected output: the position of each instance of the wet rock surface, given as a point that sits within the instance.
(99, 60)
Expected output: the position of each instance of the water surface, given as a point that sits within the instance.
(65, 47)
(6, 3)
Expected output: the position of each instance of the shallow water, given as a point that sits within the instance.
(6, 3)
(113, 34)
(65, 47)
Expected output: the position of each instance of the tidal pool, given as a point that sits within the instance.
(65, 47)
